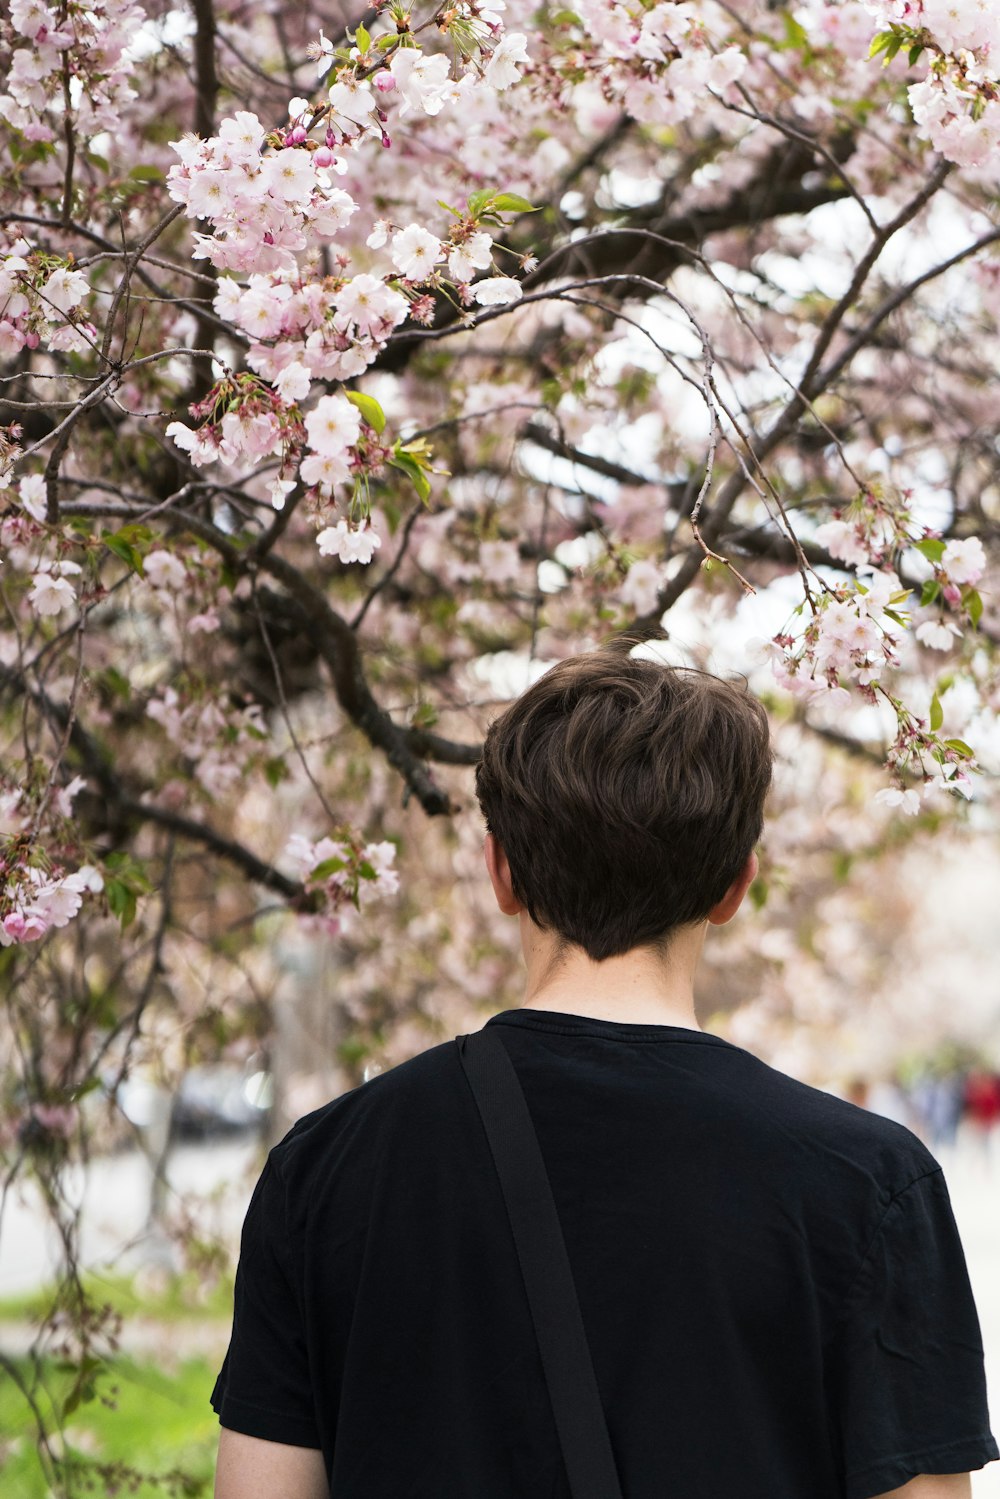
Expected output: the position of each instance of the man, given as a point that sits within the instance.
(771, 1280)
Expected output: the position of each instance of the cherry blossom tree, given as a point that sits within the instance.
(355, 371)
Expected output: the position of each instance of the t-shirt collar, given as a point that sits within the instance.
(612, 1030)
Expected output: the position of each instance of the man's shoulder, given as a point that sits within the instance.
(800, 1129)
(834, 1134)
(410, 1090)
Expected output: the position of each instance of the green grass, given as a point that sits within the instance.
(153, 1420)
(176, 1299)
(149, 1413)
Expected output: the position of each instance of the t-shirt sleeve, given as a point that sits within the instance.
(909, 1387)
(264, 1389)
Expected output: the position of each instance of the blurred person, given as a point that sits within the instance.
(888, 1098)
(771, 1280)
(938, 1097)
(857, 1091)
(982, 1108)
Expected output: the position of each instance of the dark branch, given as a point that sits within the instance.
(206, 79)
(118, 805)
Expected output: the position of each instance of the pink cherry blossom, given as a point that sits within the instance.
(289, 175)
(502, 69)
(292, 383)
(65, 289)
(420, 80)
(368, 306)
(31, 493)
(326, 470)
(164, 570)
(474, 253)
(842, 541)
(347, 543)
(907, 801)
(641, 588)
(496, 291)
(52, 593)
(964, 561)
(414, 252)
(333, 425)
(938, 635)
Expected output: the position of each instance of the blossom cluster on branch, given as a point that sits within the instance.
(364, 363)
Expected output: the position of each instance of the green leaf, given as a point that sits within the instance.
(383, 43)
(932, 549)
(121, 901)
(930, 592)
(367, 871)
(328, 868)
(123, 548)
(83, 1089)
(369, 408)
(914, 53)
(758, 893)
(85, 1387)
(795, 33)
(512, 203)
(140, 536)
(937, 714)
(411, 468)
(128, 872)
(448, 208)
(892, 614)
(425, 716)
(973, 602)
(116, 683)
(393, 514)
(880, 41)
(478, 201)
(960, 748)
(145, 172)
(275, 770)
(362, 40)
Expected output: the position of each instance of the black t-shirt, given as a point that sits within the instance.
(772, 1283)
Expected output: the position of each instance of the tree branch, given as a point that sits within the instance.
(115, 799)
(775, 190)
(813, 382)
(206, 79)
(338, 646)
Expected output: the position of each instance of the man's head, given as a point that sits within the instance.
(627, 796)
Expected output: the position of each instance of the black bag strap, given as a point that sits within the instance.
(548, 1277)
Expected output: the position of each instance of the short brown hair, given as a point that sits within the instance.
(626, 794)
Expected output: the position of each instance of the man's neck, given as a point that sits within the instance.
(641, 987)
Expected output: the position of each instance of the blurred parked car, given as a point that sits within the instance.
(210, 1101)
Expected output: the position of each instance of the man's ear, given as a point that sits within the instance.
(730, 903)
(499, 873)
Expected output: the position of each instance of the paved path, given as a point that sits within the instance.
(974, 1185)
(221, 1176)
